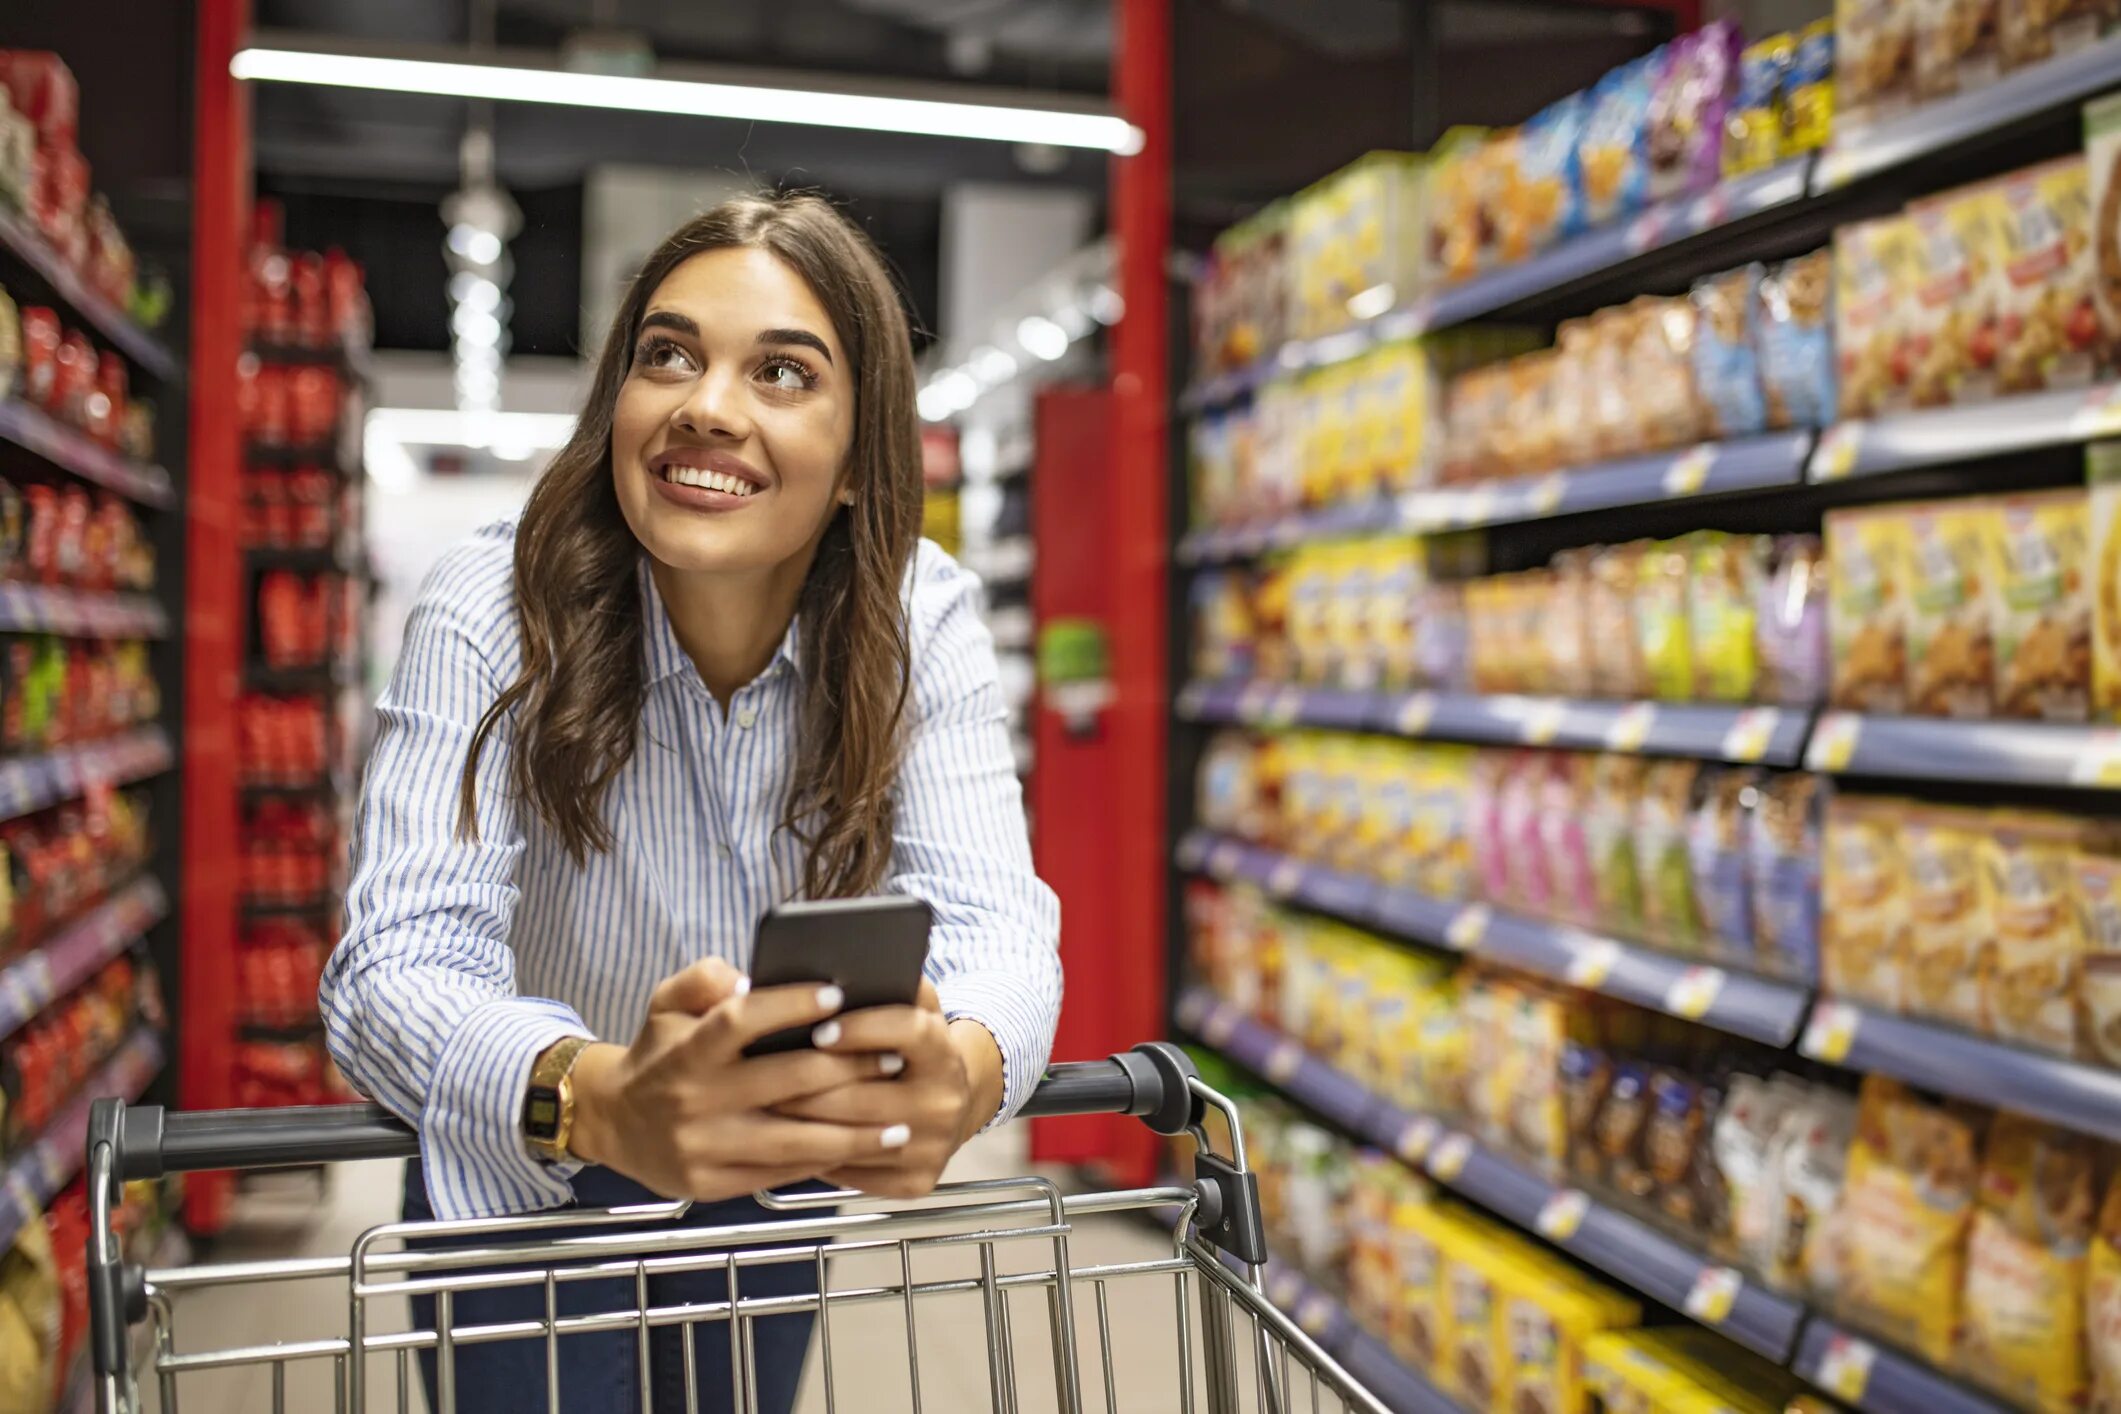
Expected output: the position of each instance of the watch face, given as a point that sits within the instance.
(541, 1114)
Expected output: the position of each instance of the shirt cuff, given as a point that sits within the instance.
(472, 1149)
(1018, 1024)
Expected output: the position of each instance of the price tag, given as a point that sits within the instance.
(1221, 1022)
(1694, 992)
(1191, 852)
(1544, 723)
(1415, 714)
(1647, 230)
(1690, 472)
(1547, 494)
(1478, 508)
(1281, 1062)
(2101, 414)
(1832, 1032)
(1834, 742)
(1840, 449)
(1253, 701)
(1562, 1214)
(1592, 963)
(1312, 1313)
(1632, 727)
(1191, 1007)
(25, 987)
(1752, 733)
(1286, 707)
(1845, 1368)
(1286, 878)
(1192, 699)
(1420, 510)
(1414, 1141)
(2098, 761)
(1222, 860)
(1466, 931)
(1714, 1295)
(1448, 1159)
(1282, 1286)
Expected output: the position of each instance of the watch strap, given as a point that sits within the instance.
(548, 1102)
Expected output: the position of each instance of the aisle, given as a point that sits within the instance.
(281, 1219)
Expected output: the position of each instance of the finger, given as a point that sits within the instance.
(910, 1031)
(928, 998)
(773, 1140)
(880, 1102)
(699, 989)
(770, 1082)
(739, 1021)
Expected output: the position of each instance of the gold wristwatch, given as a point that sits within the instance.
(548, 1105)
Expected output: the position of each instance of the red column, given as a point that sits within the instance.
(213, 610)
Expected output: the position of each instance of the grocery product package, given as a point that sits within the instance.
(1726, 352)
(2044, 606)
(1796, 339)
(2028, 877)
(1783, 871)
(1615, 157)
(1546, 1313)
(2026, 1265)
(1671, 915)
(1956, 46)
(1906, 1212)
(1565, 789)
(1471, 1370)
(1752, 134)
(1667, 406)
(1744, 1141)
(1687, 113)
(1718, 836)
(1863, 942)
(1663, 619)
(2043, 281)
(1949, 937)
(1950, 321)
(1615, 801)
(1728, 575)
(2102, 1302)
(1868, 610)
(2034, 30)
(1874, 58)
(1808, 93)
(1877, 269)
(1952, 556)
(1545, 203)
(1457, 248)
(29, 1318)
(2102, 159)
(1684, 1370)
(2103, 471)
(1790, 622)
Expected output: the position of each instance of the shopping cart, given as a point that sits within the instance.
(1233, 1351)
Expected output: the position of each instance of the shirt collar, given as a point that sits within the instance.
(666, 656)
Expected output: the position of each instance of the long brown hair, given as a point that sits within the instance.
(577, 704)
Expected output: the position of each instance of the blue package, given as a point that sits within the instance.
(1794, 323)
(1726, 351)
(1546, 204)
(1615, 155)
(1717, 856)
(1783, 834)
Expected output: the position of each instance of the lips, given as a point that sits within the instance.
(707, 480)
(702, 470)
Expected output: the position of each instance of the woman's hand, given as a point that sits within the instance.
(950, 1085)
(684, 1113)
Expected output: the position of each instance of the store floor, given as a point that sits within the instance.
(284, 1218)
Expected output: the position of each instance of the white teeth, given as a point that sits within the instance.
(708, 480)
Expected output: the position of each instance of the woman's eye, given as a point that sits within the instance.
(787, 375)
(661, 354)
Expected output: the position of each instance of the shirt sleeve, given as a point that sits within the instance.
(419, 1002)
(960, 843)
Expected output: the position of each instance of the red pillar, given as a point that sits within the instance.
(213, 610)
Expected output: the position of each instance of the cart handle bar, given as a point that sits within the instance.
(147, 1141)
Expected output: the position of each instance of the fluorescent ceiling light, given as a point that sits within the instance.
(691, 98)
(446, 427)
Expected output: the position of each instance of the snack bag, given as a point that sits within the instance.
(1874, 289)
(1752, 134)
(1671, 916)
(1744, 1139)
(1874, 44)
(1687, 112)
(1565, 625)
(1783, 844)
(1615, 156)
(1791, 622)
(1906, 1210)
(1950, 955)
(1808, 93)
(2033, 30)
(1723, 604)
(1617, 668)
(1955, 46)
(1951, 648)
(1564, 840)
(1616, 422)
(2026, 1265)
(1951, 323)
(1663, 620)
(2103, 471)
(1808, 1163)
(2098, 878)
(2102, 1303)
(1619, 1132)
(1796, 339)
(1586, 1075)
(1726, 360)
(1531, 884)
(2043, 282)
(2102, 157)
(1672, 1143)
(1609, 833)
(1669, 407)
(2044, 607)
(1867, 612)
(2028, 880)
(1717, 850)
(1472, 1366)
(1548, 1310)
(1863, 944)
(1545, 202)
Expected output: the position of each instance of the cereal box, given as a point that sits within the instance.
(1471, 1368)
(2044, 606)
(1874, 290)
(1546, 1313)
(1867, 612)
(2033, 30)
(1951, 562)
(1955, 46)
(1950, 955)
(1951, 324)
(2028, 879)
(2048, 318)
(1863, 942)
(2026, 1265)
(2102, 157)
(1874, 57)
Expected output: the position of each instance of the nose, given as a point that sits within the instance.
(716, 406)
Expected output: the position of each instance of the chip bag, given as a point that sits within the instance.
(2026, 1261)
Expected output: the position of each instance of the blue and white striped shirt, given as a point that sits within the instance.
(462, 960)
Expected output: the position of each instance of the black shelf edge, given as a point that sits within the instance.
(146, 351)
(34, 430)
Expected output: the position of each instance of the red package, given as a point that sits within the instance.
(310, 298)
(74, 379)
(106, 405)
(274, 424)
(41, 336)
(314, 403)
(42, 89)
(60, 202)
(70, 546)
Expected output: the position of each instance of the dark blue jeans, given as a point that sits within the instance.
(600, 1374)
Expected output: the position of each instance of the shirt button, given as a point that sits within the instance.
(747, 716)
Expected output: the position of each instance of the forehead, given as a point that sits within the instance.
(740, 290)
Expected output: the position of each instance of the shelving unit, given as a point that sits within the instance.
(35, 1174)
(74, 953)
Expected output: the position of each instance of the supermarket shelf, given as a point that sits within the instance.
(1238, 542)
(321, 677)
(33, 430)
(1879, 1379)
(300, 1034)
(304, 560)
(1728, 1000)
(329, 786)
(144, 349)
(1939, 436)
(346, 358)
(30, 783)
(1771, 736)
(71, 956)
(1629, 1251)
(80, 613)
(2050, 754)
(1383, 1374)
(35, 1176)
(1928, 131)
(309, 907)
(1003, 562)
(2083, 1097)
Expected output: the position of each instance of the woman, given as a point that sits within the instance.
(712, 667)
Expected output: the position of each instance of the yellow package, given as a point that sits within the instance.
(1426, 1237)
(1445, 830)
(2102, 1303)
(1351, 656)
(1475, 1265)
(1952, 559)
(1310, 633)
(1875, 269)
(1951, 953)
(1399, 578)
(2045, 278)
(1867, 608)
(2043, 606)
(1906, 1210)
(1547, 1312)
(1663, 621)
(1396, 412)
(2026, 1262)
(1864, 901)
(1752, 134)
(2103, 471)
(1951, 324)
(2028, 874)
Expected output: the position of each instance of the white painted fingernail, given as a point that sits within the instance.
(743, 984)
(891, 1062)
(898, 1136)
(826, 1035)
(830, 998)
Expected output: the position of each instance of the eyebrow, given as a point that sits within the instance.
(802, 337)
(685, 324)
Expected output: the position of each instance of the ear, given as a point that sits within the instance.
(846, 495)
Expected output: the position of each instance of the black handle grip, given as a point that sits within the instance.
(1148, 1081)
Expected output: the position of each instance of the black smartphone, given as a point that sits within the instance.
(870, 948)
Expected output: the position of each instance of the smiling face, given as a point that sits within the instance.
(732, 427)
